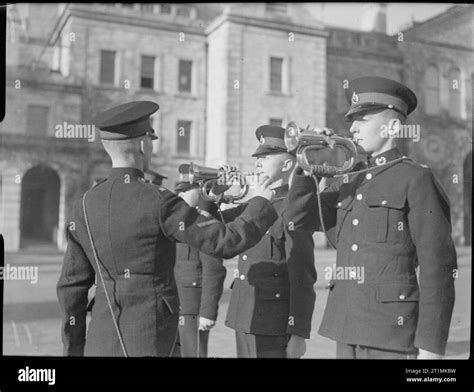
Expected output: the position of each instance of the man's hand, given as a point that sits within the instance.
(324, 131)
(205, 324)
(262, 189)
(296, 347)
(423, 354)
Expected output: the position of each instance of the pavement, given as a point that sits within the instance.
(31, 313)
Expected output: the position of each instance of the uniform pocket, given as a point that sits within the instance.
(398, 292)
(394, 312)
(386, 220)
(272, 308)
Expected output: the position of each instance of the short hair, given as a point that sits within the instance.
(116, 148)
(388, 114)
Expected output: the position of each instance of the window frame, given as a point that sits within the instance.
(154, 72)
(191, 75)
(35, 120)
(115, 69)
(179, 152)
(428, 89)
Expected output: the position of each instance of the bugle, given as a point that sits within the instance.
(307, 140)
(206, 177)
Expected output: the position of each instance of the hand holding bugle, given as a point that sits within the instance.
(214, 182)
(307, 140)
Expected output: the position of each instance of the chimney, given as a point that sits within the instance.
(374, 18)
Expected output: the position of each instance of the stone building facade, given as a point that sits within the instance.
(217, 71)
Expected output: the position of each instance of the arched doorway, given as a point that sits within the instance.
(39, 207)
(467, 198)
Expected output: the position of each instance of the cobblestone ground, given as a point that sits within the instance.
(31, 315)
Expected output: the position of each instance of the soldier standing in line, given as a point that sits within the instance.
(124, 230)
(272, 299)
(387, 221)
(200, 280)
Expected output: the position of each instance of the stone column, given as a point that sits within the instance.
(10, 208)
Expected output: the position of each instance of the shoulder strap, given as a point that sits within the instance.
(101, 276)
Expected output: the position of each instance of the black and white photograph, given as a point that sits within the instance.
(289, 183)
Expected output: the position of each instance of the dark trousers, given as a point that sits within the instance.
(189, 336)
(352, 351)
(260, 346)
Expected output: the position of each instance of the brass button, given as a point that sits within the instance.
(277, 295)
(384, 202)
(339, 204)
(359, 196)
(242, 277)
(402, 297)
(368, 176)
(194, 284)
(354, 247)
(355, 222)
(244, 257)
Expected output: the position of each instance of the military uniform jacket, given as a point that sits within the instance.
(387, 221)
(134, 226)
(199, 277)
(272, 293)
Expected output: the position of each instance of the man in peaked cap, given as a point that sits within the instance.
(272, 299)
(199, 278)
(124, 230)
(387, 221)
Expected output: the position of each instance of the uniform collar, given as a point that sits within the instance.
(281, 191)
(385, 157)
(119, 172)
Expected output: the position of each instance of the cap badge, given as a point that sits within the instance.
(380, 161)
(355, 98)
(262, 140)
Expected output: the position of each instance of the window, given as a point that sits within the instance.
(165, 9)
(147, 8)
(37, 120)
(341, 102)
(455, 102)
(276, 122)
(107, 66)
(184, 137)
(147, 72)
(432, 90)
(184, 12)
(276, 73)
(184, 82)
(276, 7)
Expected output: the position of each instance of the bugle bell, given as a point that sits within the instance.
(206, 177)
(307, 140)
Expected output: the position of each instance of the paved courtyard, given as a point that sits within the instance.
(31, 315)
